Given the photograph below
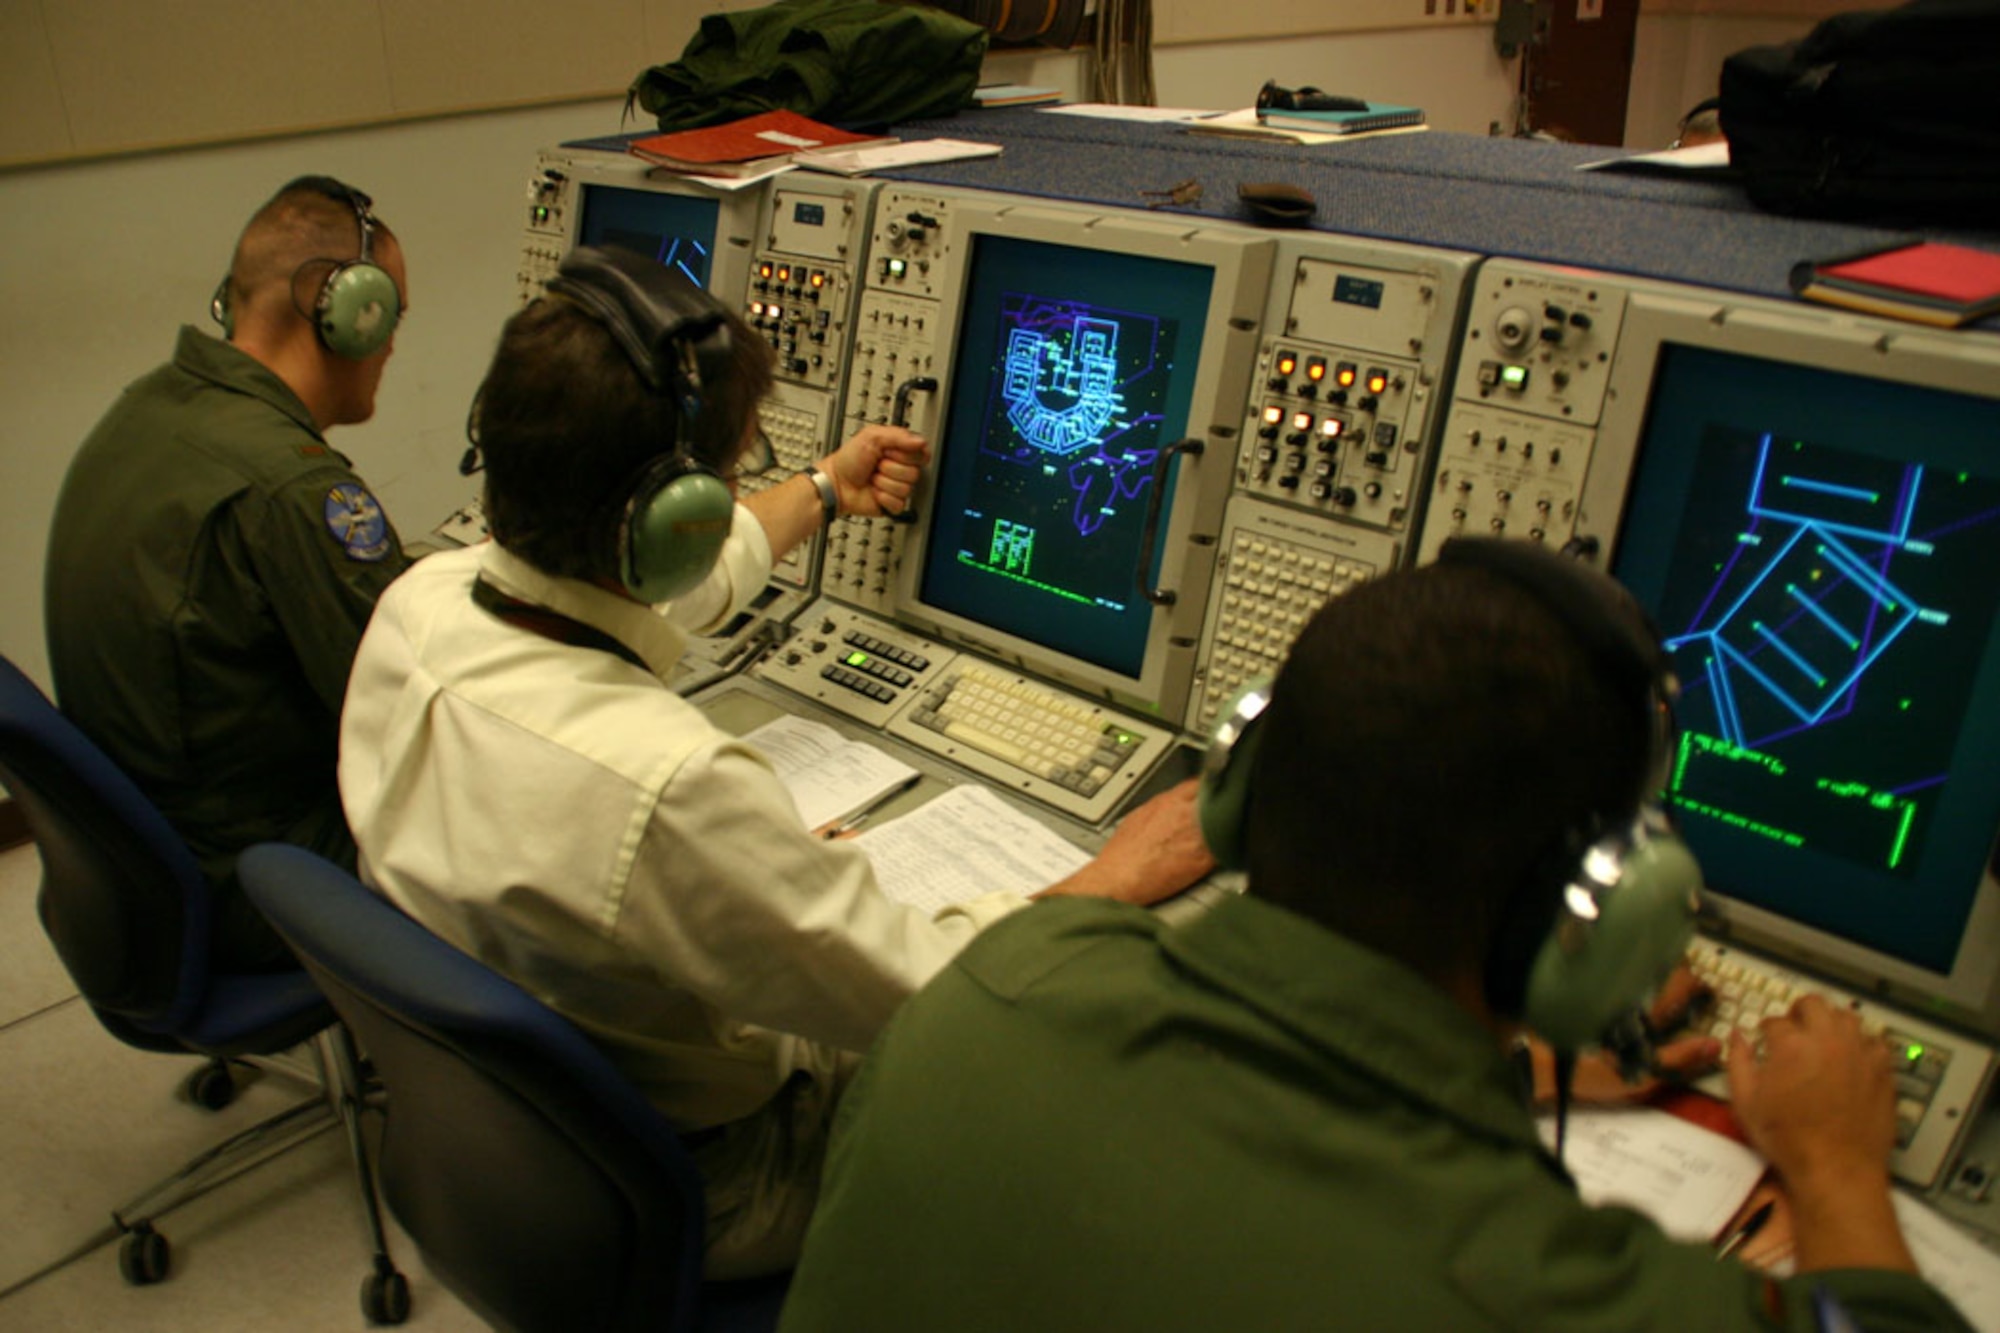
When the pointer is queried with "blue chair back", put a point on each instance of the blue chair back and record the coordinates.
(123, 900)
(540, 1186)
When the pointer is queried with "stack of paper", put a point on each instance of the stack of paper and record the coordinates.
(964, 844)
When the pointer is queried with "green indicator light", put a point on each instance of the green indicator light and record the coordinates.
(1904, 705)
(1514, 376)
(1913, 1052)
(856, 659)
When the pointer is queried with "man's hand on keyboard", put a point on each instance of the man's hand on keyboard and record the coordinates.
(1682, 1052)
(877, 469)
(1817, 1098)
(1818, 1091)
(1154, 853)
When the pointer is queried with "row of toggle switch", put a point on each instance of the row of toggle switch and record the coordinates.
(793, 280)
(1314, 378)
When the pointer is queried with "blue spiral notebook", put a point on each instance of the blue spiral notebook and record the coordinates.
(1378, 116)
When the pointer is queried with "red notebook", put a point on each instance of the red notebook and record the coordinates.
(1926, 281)
(745, 146)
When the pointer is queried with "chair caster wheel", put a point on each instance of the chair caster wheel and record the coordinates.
(212, 1086)
(385, 1297)
(145, 1256)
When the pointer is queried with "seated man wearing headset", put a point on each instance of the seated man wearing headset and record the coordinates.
(521, 780)
(212, 560)
(1299, 1111)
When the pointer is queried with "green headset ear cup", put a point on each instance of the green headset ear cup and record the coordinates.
(1222, 796)
(673, 529)
(357, 310)
(1588, 972)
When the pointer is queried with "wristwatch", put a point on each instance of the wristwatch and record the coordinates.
(829, 497)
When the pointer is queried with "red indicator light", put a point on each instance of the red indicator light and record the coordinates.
(1287, 363)
(1377, 381)
(1345, 375)
(1302, 421)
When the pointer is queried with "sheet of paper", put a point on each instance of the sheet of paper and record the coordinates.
(1954, 1262)
(1244, 124)
(731, 184)
(1699, 158)
(828, 775)
(962, 845)
(888, 157)
(1686, 1178)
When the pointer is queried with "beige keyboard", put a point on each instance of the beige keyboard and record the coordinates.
(1016, 732)
(1941, 1076)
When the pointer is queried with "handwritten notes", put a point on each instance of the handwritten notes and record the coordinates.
(966, 843)
(828, 775)
(1688, 1179)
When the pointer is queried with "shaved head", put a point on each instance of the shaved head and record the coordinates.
(293, 241)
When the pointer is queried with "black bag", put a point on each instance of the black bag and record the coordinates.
(855, 63)
(1885, 115)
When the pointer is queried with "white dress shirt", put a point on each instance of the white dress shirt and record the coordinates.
(562, 815)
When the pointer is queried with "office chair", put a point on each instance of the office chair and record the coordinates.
(541, 1187)
(128, 910)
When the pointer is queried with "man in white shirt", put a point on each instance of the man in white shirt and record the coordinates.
(520, 779)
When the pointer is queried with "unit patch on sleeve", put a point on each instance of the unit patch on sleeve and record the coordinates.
(355, 519)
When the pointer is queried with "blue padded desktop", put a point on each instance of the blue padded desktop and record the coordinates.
(1515, 198)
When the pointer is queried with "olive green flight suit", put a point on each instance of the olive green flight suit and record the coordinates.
(211, 566)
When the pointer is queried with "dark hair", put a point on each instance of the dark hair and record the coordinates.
(1431, 740)
(565, 425)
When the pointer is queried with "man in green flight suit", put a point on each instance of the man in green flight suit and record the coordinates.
(213, 560)
(1297, 1111)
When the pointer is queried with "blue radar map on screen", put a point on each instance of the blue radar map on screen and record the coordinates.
(676, 230)
(1075, 368)
(1820, 552)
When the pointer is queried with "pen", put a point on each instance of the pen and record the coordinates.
(854, 819)
(1752, 1224)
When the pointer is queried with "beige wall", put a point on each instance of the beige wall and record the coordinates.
(87, 77)
(1678, 61)
(92, 77)
(104, 257)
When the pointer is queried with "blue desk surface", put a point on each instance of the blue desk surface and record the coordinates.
(1516, 198)
(1506, 197)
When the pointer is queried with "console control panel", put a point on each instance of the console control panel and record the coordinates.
(1533, 383)
(856, 664)
(1339, 420)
